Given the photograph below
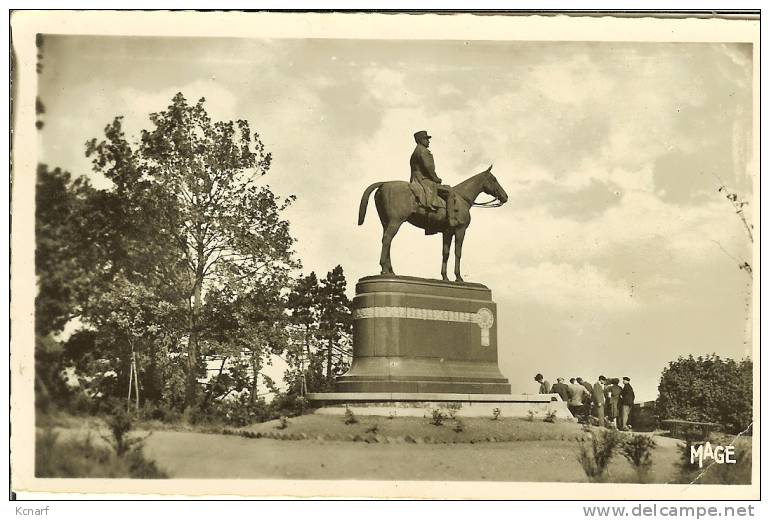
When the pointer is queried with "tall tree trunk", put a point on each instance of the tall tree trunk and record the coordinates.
(192, 344)
(256, 366)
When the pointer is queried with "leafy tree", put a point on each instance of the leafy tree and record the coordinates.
(190, 219)
(63, 252)
(62, 263)
(243, 326)
(707, 389)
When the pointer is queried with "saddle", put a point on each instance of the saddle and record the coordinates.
(446, 200)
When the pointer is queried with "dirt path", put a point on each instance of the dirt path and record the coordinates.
(198, 455)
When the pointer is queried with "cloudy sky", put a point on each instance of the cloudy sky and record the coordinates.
(614, 254)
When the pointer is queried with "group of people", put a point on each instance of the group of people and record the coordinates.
(607, 401)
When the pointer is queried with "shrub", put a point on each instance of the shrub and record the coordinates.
(637, 449)
(350, 417)
(374, 428)
(496, 414)
(283, 422)
(81, 458)
(550, 416)
(459, 426)
(437, 417)
(707, 389)
(595, 455)
(712, 472)
(120, 423)
(452, 409)
(530, 416)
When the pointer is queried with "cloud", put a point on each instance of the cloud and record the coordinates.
(566, 286)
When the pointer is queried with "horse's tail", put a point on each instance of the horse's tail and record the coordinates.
(365, 201)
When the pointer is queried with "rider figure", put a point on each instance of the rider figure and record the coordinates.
(424, 171)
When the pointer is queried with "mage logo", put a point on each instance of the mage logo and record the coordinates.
(719, 454)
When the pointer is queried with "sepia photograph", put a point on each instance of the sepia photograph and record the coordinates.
(405, 255)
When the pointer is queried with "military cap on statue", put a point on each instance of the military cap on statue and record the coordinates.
(421, 135)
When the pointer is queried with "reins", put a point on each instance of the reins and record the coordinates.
(494, 203)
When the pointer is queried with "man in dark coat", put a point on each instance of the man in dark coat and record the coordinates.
(598, 399)
(627, 403)
(561, 389)
(424, 171)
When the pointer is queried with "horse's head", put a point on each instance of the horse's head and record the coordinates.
(492, 187)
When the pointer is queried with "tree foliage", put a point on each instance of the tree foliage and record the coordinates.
(321, 328)
(707, 389)
(189, 192)
(183, 262)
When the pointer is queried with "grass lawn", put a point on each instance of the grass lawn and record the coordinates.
(419, 430)
(405, 448)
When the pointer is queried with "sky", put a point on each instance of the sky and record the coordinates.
(615, 253)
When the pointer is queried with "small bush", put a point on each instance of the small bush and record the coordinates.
(374, 428)
(391, 415)
(530, 416)
(459, 426)
(350, 417)
(550, 416)
(283, 423)
(437, 417)
(496, 414)
(452, 409)
(119, 422)
(637, 449)
(595, 455)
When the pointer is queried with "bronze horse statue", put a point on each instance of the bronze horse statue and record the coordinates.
(396, 203)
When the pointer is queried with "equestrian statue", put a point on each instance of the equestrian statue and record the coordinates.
(427, 204)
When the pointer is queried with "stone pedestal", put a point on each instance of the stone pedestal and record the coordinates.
(425, 336)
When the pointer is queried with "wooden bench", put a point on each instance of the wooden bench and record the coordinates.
(681, 429)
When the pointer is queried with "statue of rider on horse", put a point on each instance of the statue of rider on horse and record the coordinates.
(427, 204)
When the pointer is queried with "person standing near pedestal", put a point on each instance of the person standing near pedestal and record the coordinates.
(613, 401)
(598, 398)
(561, 389)
(577, 398)
(588, 395)
(545, 386)
(626, 403)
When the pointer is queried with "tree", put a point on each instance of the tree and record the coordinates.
(707, 389)
(336, 322)
(62, 257)
(304, 373)
(321, 325)
(206, 224)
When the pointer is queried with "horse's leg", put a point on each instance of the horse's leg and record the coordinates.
(459, 237)
(445, 253)
(388, 232)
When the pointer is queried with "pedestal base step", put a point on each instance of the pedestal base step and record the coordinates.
(422, 405)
